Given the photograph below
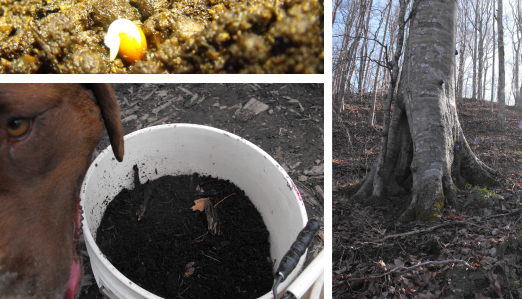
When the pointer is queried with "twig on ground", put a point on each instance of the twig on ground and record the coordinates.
(502, 215)
(183, 291)
(406, 269)
(419, 231)
(146, 196)
(212, 218)
(200, 237)
(441, 225)
(373, 228)
(224, 199)
(209, 256)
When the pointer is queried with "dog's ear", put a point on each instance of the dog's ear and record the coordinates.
(104, 94)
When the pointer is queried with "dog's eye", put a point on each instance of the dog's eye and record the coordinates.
(18, 128)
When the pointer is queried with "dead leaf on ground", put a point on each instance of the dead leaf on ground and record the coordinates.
(199, 204)
(189, 272)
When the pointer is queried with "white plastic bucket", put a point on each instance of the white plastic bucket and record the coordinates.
(184, 149)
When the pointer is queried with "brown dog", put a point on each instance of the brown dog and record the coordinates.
(48, 133)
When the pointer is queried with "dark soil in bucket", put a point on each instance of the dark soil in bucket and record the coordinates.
(169, 250)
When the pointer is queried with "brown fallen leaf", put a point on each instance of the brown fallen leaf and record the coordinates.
(199, 204)
(189, 272)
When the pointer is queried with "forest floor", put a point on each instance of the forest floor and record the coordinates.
(474, 251)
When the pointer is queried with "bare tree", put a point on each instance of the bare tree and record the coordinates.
(334, 11)
(462, 51)
(475, 50)
(423, 149)
(480, 55)
(501, 119)
(493, 73)
(364, 50)
(516, 37)
(372, 109)
(348, 57)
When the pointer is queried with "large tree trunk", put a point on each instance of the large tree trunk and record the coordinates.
(517, 17)
(501, 118)
(474, 83)
(423, 150)
(480, 53)
(364, 51)
(462, 55)
(518, 103)
(493, 74)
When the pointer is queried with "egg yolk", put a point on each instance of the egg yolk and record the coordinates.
(130, 49)
(126, 39)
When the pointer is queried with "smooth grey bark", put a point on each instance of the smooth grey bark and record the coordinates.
(480, 51)
(518, 30)
(423, 149)
(518, 99)
(486, 68)
(462, 55)
(378, 186)
(483, 23)
(516, 38)
(501, 118)
(518, 102)
(516, 84)
(368, 185)
(474, 83)
(493, 74)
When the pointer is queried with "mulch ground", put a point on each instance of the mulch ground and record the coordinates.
(156, 239)
(475, 250)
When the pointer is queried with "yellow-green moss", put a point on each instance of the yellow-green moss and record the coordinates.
(439, 201)
(426, 215)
